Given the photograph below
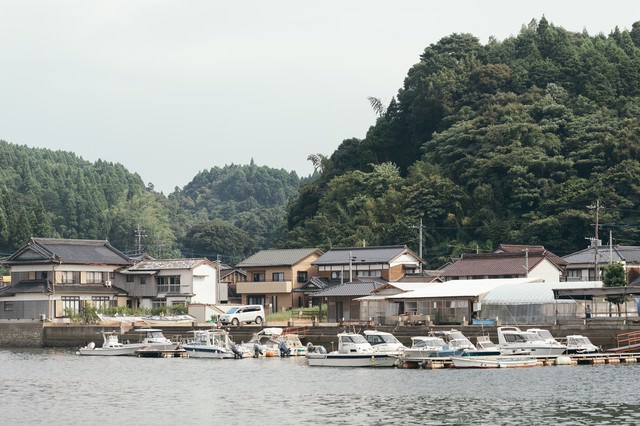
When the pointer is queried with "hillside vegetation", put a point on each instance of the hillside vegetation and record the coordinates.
(507, 142)
(512, 141)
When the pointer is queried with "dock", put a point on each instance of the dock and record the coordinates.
(600, 358)
(151, 352)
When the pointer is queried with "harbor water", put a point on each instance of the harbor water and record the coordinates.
(58, 387)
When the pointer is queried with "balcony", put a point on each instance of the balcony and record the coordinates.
(262, 287)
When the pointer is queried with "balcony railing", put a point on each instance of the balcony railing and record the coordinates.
(261, 287)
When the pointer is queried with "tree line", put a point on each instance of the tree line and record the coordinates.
(511, 141)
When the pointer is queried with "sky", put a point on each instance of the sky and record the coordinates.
(169, 88)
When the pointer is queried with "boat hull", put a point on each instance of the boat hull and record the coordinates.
(120, 351)
(493, 362)
(212, 353)
(351, 360)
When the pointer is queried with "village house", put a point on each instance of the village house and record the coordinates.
(580, 265)
(52, 278)
(273, 275)
(508, 261)
(349, 273)
(154, 283)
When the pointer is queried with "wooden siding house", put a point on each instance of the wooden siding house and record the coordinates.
(273, 275)
(51, 278)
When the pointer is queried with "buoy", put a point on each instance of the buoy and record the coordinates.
(563, 360)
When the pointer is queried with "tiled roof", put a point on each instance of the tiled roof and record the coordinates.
(340, 256)
(284, 257)
(163, 264)
(48, 250)
(493, 264)
(628, 254)
(355, 289)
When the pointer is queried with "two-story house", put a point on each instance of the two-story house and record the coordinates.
(508, 261)
(272, 275)
(52, 278)
(345, 274)
(165, 282)
(580, 265)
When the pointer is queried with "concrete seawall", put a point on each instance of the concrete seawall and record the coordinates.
(37, 334)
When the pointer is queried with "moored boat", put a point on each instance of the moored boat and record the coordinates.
(578, 344)
(214, 344)
(353, 351)
(497, 361)
(111, 346)
(513, 341)
(383, 342)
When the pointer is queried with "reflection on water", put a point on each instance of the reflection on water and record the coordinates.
(59, 387)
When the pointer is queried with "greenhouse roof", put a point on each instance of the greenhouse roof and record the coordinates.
(531, 293)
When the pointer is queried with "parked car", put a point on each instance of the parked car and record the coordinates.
(243, 314)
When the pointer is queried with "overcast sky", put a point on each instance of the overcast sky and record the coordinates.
(172, 87)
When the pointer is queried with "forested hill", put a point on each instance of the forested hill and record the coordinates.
(506, 142)
(46, 193)
(230, 211)
(233, 211)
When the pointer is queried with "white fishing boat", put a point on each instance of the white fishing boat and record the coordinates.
(578, 344)
(265, 343)
(495, 361)
(513, 341)
(111, 346)
(292, 344)
(423, 347)
(154, 343)
(353, 351)
(383, 342)
(214, 344)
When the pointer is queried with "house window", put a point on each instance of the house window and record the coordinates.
(159, 303)
(93, 277)
(8, 306)
(130, 278)
(143, 280)
(277, 276)
(302, 276)
(168, 284)
(336, 275)
(66, 277)
(369, 273)
(101, 303)
(70, 304)
(258, 276)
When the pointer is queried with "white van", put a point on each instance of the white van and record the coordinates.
(243, 314)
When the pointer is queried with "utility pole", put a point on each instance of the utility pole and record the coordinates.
(526, 261)
(419, 242)
(139, 236)
(596, 242)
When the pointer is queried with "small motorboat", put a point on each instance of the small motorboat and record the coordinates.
(111, 346)
(578, 344)
(353, 351)
(214, 344)
(383, 342)
(513, 341)
(494, 361)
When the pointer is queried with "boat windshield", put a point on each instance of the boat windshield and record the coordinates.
(578, 340)
(354, 338)
(545, 334)
(428, 343)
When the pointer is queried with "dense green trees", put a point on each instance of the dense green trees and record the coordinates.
(505, 142)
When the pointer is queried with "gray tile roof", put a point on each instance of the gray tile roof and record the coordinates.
(284, 257)
(629, 254)
(340, 256)
(355, 289)
(165, 264)
(53, 250)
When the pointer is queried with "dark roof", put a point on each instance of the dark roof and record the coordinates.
(167, 264)
(628, 254)
(315, 284)
(381, 254)
(284, 257)
(354, 289)
(45, 287)
(53, 250)
(27, 286)
(494, 264)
